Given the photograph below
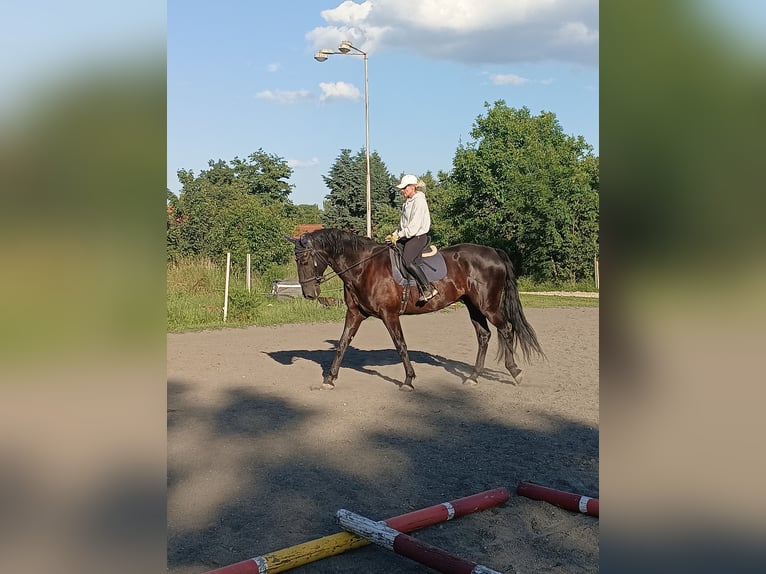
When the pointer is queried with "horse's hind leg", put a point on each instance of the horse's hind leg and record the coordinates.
(505, 334)
(505, 344)
(483, 335)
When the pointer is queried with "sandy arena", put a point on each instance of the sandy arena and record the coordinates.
(257, 461)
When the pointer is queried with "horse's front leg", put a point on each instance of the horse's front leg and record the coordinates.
(353, 319)
(391, 321)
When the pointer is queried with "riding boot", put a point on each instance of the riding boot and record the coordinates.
(427, 290)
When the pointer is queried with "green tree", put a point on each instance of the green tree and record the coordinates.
(382, 191)
(264, 174)
(306, 213)
(345, 206)
(526, 186)
(252, 225)
(174, 237)
(386, 221)
(241, 207)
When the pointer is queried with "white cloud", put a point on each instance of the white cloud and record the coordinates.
(299, 163)
(462, 15)
(350, 22)
(272, 67)
(348, 13)
(490, 31)
(367, 38)
(577, 33)
(508, 79)
(285, 97)
(339, 91)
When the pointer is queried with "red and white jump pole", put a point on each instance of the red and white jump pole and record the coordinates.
(307, 552)
(565, 500)
(405, 545)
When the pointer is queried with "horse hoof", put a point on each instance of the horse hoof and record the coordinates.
(471, 382)
(328, 386)
(406, 388)
(516, 375)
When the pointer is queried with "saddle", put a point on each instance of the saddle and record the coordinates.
(430, 261)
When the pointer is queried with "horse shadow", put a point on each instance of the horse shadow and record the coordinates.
(364, 361)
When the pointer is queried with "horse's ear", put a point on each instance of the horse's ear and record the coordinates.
(291, 239)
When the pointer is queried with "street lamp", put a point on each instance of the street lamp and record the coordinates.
(347, 49)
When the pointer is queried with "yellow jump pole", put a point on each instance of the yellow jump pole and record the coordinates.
(294, 556)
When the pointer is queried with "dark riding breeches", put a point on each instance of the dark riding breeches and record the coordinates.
(413, 247)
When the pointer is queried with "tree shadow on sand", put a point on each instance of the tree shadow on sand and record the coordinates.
(283, 482)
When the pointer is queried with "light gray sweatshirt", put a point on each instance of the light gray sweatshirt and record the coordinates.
(415, 218)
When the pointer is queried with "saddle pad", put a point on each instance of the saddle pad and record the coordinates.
(434, 268)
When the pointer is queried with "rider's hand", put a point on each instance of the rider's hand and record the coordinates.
(392, 238)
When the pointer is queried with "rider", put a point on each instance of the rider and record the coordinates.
(414, 225)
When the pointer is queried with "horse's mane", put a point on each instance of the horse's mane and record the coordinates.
(337, 241)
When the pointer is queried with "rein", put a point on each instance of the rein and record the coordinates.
(325, 278)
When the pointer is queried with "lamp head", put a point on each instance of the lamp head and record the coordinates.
(345, 46)
(322, 54)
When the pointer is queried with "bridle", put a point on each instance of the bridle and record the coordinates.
(299, 253)
(319, 279)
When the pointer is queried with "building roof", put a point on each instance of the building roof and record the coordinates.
(302, 228)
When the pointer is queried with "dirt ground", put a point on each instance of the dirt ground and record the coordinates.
(257, 461)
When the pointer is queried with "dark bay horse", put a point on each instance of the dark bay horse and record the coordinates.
(480, 277)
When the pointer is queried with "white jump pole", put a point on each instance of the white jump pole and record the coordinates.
(400, 543)
(248, 273)
(595, 270)
(226, 291)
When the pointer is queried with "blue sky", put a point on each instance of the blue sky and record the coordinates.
(430, 70)
(241, 76)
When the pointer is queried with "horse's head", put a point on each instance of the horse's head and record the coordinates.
(311, 266)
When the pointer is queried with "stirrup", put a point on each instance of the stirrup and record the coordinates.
(430, 294)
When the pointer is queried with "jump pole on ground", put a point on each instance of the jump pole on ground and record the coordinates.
(565, 500)
(405, 545)
(294, 556)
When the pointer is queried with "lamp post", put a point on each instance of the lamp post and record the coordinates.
(347, 49)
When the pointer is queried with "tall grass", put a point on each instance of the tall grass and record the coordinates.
(196, 287)
(526, 284)
(195, 298)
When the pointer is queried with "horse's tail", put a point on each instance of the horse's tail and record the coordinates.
(522, 333)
